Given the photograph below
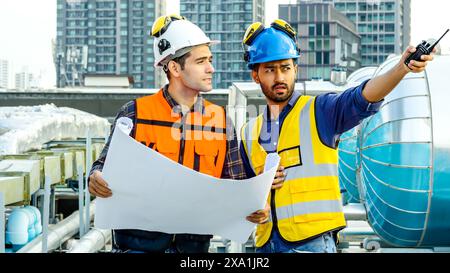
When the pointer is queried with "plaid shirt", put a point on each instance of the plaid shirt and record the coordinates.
(233, 167)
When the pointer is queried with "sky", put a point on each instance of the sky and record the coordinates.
(27, 28)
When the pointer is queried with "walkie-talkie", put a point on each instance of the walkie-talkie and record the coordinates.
(424, 48)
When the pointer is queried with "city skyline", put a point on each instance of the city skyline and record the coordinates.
(29, 41)
(108, 37)
(222, 21)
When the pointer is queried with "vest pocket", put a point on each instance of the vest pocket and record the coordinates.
(205, 156)
(312, 199)
(311, 184)
(290, 157)
(168, 147)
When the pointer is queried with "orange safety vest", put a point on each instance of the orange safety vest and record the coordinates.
(197, 140)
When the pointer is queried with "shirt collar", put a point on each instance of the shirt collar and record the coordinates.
(176, 108)
(292, 101)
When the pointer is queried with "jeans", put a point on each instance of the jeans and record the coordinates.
(180, 243)
(322, 244)
(140, 241)
(188, 246)
(116, 250)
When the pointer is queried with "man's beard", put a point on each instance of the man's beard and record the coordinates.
(271, 93)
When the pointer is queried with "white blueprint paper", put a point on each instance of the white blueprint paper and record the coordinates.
(152, 192)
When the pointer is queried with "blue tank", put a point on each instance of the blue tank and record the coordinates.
(348, 166)
(405, 159)
(349, 159)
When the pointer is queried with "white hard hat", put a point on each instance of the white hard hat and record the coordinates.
(174, 36)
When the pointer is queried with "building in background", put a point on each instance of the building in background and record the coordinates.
(225, 21)
(24, 80)
(106, 37)
(384, 26)
(4, 74)
(327, 38)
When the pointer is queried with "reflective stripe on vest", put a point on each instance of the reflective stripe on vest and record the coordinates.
(308, 208)
(309, 202)
(195, 140)
(248, 131)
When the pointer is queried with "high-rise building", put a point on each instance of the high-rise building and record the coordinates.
(4, 74)
(24, 80)
(327, 38)
(107, 37)
(225, 21)
(384, 26)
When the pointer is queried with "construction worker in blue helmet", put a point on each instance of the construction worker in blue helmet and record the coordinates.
(304, 208)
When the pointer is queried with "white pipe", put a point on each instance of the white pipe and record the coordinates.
(92, 242)
(355, 212)
(58, 233)
(355, 234)
(356, 231)
(46, 214)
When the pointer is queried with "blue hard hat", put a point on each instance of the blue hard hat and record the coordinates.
(270, 45)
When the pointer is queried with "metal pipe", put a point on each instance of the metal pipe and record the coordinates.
(46, 214)
(87, 199)
(80, 200)
(92, 242)
(67, 195)
(355, 235)
(356, 231)
(60, 193)
(355, 212)
(52, 210)
(2, 224)
(58, 233)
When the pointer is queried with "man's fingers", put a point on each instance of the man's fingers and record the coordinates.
(94, 192)
(279, 178)
(418, 64)
(98, 191)
(277, 183)
(416, 69)
(259, 213)
(99, 179)
(427, 57)
(257, 220)
(280, 174)
(260, 216)
(104, 191)
(410, 50)
(98, 186)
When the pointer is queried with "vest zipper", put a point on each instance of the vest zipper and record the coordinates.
(181, 156)
(274, 212)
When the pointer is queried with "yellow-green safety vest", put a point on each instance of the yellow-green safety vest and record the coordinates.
(309, 203)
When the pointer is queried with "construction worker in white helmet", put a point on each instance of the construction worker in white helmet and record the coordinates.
(306, 211)
(178, 123)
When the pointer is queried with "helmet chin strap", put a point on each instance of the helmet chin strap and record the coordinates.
(165, 68)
